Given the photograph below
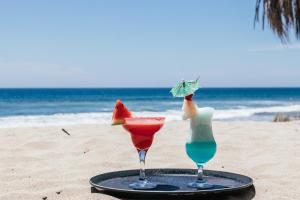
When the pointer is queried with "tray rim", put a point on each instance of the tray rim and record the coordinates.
(118, 190)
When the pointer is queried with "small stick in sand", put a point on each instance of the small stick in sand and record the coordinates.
(58, 192)
(66, 132)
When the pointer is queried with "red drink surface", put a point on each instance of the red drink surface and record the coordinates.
(142, 130)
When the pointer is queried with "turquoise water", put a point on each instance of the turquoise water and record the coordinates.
(230, 103)
(201, 151)
(42, 106)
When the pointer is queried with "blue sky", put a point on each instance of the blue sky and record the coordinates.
(133, 43)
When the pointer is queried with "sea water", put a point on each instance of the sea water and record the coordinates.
(45, 106)
(201, 151)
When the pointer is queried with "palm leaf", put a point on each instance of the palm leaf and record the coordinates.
(282, 15)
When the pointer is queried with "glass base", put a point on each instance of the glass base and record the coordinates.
(142, 185)
(201, 185)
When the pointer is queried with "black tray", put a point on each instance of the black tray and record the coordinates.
(172, 183)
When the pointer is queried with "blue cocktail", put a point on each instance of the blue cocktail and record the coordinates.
(201, 151)
(200, 146)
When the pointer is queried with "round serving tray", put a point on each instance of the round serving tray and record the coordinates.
(170, 183)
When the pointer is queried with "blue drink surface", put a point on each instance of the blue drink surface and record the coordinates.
(201, 151)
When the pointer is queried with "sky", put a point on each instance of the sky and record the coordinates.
(134, 43)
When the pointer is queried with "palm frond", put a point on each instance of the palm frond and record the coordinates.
(282, 15)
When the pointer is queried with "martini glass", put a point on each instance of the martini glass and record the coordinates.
(142, 130)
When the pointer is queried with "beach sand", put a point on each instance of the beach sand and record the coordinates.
(45, 162)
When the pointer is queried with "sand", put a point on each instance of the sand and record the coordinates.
(45, 162)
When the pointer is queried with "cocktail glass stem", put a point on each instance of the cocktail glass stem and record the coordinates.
(200, 173)
(143, 183)
(142, 157)
(200, 183)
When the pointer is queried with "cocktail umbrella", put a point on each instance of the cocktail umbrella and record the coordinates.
(185, 88)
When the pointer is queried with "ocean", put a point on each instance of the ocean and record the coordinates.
(42, 107)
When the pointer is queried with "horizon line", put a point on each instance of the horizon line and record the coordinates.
(243, 87)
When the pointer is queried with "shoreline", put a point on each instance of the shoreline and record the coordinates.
(108, 123)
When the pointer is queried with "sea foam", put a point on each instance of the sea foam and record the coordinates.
(105, 117)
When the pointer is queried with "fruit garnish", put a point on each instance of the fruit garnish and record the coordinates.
(120, 113)
(189, 97)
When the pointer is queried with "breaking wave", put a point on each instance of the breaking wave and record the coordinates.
(105, 117)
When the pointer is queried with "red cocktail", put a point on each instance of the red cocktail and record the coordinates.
(142, 130)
